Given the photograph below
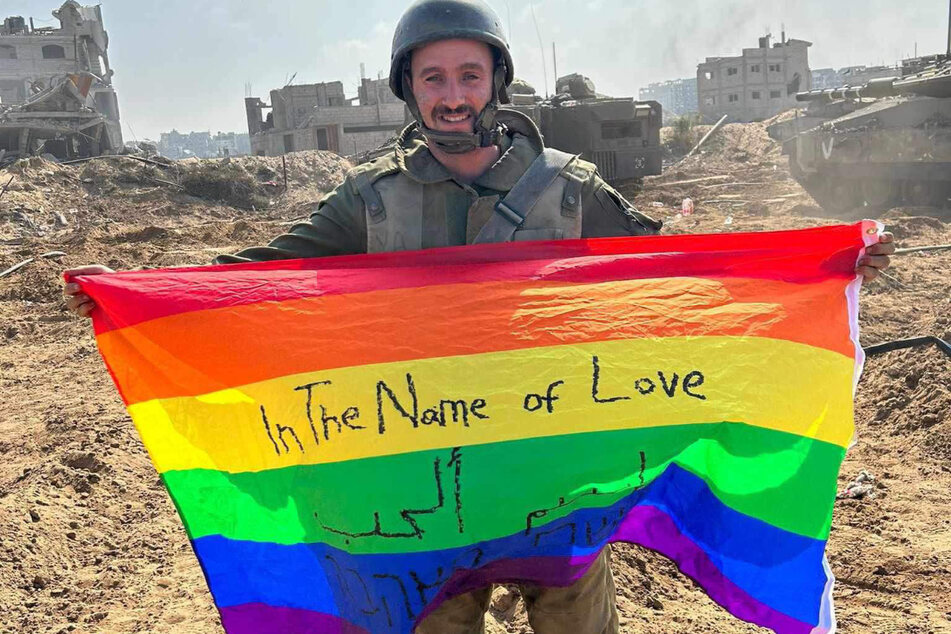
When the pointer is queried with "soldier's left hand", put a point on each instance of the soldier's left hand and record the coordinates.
(876, 257)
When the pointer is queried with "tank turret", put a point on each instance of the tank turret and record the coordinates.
(886, 142)
(933, 80)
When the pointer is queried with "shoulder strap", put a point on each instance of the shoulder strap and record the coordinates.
(511, 211)
(363, 177)
(372, 200)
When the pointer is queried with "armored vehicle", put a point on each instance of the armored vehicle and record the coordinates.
(619, 135)
(884, 143)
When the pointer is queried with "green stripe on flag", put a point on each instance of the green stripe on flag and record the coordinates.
(423, 500)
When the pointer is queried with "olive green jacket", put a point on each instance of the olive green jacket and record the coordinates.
(338, 226)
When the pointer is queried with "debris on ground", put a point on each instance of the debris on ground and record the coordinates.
(862, 486)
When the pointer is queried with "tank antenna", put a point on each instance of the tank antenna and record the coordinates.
(541, 47)
(949, 29)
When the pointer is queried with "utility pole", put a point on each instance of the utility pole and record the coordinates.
(554, 63)
(949, 28)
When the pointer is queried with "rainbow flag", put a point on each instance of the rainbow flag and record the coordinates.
(350, 441)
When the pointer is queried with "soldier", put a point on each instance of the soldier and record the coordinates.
(467, 171)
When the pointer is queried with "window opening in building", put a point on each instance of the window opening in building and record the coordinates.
(53, 51)
(620, 129)
(774, 68)
(756, 94)
(755, 68)
(731, 71)
(322, 143)
(709, 101)
(7, 51)
(734, 98)
(708, 74)
(775, 94)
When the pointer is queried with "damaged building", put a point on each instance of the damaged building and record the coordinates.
(321, 117)
(56, 93)
(178, 145)
(756, 85)
(678, 97)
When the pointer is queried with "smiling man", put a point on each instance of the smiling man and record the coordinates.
(468, 171)
(451, 179)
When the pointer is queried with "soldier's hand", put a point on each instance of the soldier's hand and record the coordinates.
(876, 257)
(77, 301)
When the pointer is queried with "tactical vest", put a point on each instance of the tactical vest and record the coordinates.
(545, 204)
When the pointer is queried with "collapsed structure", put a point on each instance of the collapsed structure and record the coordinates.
(321, 117)
(178, 145)
(56, 93)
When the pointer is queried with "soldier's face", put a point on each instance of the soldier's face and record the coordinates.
(452, 83)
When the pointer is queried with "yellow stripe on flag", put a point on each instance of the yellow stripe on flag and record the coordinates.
(497, 397)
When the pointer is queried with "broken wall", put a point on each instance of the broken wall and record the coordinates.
(292, 105)
(37, 61)
(345, 130)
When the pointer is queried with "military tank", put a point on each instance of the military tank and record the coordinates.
(873, 146)
(619, 135)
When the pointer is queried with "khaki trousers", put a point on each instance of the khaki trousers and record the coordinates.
(585, 607)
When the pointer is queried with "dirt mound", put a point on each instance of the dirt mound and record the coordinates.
(90, 542)
(247, 182)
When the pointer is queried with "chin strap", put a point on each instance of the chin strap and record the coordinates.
(487, 131)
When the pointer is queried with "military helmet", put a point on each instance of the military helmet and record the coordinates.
(432, 20)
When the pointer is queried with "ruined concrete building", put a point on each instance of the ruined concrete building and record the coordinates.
(756, 85)
(178, 145)
(678, 97)
(321, 117)
(56, 94)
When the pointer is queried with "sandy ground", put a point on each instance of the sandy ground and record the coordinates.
(89, 541)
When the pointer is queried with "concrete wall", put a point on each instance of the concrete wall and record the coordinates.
(347, 130)
(83, 42)
(292, 105)
(373, 91)
(16, 75)
(755, 85)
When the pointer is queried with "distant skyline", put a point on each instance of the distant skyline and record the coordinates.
(184, 64)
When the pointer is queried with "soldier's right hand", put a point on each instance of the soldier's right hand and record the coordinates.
(77, 301)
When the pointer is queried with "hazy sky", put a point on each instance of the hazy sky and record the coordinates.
(184, 63)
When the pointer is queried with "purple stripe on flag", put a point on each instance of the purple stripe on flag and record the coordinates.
(258, 618)
(652, 528)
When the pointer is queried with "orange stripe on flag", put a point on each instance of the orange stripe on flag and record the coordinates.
(185, 354)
